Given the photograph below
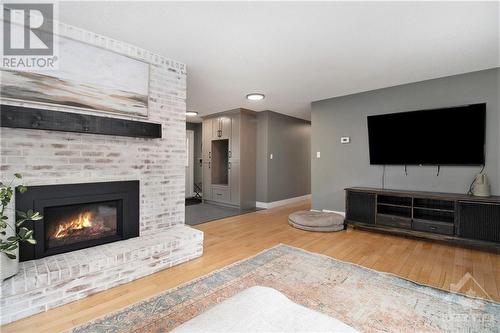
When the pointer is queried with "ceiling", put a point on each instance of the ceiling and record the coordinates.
(298, 52)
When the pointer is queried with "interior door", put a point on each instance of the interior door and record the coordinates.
(189, 163)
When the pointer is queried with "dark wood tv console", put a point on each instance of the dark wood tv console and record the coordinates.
(457, 218)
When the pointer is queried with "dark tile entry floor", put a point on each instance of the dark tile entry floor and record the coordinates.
(201, 213)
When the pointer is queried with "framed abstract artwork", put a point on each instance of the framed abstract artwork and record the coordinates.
(89, 78)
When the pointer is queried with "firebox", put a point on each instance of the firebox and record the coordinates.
(77, 216)
(65, 225)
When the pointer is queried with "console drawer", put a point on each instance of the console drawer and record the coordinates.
(434, 227)
(220, 194)
(394, 221)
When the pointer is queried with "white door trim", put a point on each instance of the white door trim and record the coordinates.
(189, 163)
(273, 204)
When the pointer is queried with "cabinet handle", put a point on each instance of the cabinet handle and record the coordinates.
(209, 165)
(230, 154)
(209, 154)
(219, 133)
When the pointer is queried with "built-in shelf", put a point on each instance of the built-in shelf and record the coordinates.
(434, 222)
(431, 203)
(424, 209)
(392, 205)
(394, 210)
(435, 209)
(220, 162)
(438, 216)
(394, 200)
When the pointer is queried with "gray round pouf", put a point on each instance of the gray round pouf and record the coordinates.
(316, 221)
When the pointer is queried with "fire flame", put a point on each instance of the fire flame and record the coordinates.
(82, 221)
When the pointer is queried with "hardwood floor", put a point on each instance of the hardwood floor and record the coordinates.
(236, 238)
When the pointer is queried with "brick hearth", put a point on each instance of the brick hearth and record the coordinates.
(56, 280)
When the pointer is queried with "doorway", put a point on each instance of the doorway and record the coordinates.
(189, 163)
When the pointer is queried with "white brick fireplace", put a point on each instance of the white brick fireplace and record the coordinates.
(48, 157)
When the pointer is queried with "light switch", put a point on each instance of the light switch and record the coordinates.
(345, 139)
(270, 156)
(318, 154)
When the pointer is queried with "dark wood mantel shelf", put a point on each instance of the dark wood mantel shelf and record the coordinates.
(40, 119)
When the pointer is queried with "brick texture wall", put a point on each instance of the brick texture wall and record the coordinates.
(47, 157)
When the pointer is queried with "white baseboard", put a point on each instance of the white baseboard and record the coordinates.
(334, 211)
(273, 204)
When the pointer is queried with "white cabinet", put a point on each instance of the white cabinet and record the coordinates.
(206, 139)
(221, 194)
(229, 158)
(221, 127)
(207, 180)
(234, 141)
(225, 127)
(234, 182)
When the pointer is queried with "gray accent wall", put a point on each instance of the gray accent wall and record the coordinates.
(262, 156)
(346, 165)
(287, 175)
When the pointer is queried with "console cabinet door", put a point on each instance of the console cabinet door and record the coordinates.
(479, 221)
(360, 207)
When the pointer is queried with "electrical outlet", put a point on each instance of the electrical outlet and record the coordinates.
(318, 154)
(345, 139)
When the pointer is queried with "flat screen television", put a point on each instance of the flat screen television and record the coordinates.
(448, 136)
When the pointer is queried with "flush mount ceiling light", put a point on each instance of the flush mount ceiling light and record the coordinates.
(191, 113)
(255, 97)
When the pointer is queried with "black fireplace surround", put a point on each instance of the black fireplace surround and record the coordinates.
(77, 216)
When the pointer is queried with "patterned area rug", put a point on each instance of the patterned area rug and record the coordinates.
(365, 299)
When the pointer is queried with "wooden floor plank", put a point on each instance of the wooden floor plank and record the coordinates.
(236, 238)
